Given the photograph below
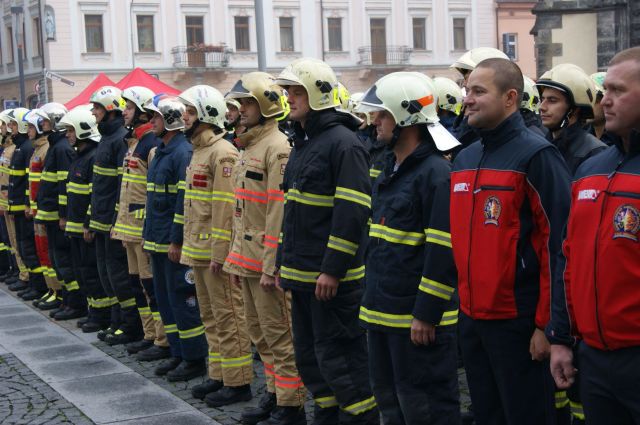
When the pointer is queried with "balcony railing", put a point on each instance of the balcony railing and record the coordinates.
(207, 56)
(384, 55)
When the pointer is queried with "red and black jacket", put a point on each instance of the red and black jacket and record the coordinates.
(509, 203)
(596, 298)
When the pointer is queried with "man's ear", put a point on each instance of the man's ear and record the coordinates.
(511, 98)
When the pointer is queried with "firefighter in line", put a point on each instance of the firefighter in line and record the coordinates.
(320, 259)
(208, 207)
(450, 98)
(530, 107)
(8, 267)
(257, 221)
(141, 143)
(174, 283)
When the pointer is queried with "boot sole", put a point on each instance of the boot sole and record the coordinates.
(228, 402)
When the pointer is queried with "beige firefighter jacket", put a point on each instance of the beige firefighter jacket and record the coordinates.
(5, 160)
(259, 201)
(208, 200)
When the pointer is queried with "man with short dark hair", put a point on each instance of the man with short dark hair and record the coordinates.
(509, 201)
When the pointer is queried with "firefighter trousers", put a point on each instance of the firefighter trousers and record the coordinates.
(6, 261)
(60, 256)
(25, 242)
(176, 296)
(609, 385)
(11, 230)
(331, 356)
(268, 316)
(140, 274)
(222, 314)
(415, 385)
(85, 272)
(112, 269)
(506, 385)
(42, 250)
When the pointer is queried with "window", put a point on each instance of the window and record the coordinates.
(509, 45)
(10, 44)
(459, 34)
(37, 37)
(242, 33)
(334, 26)
(195, 30)
(420, 33)
(286, 34)
(146, 41)
(93, 33)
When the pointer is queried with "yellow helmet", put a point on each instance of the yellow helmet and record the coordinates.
(575, 83)
(18, 115)
(317, 78)
(469, 60)
(354, 102)
(449, 94)
(343, 96)
(531, 96)
(261, 87)
(109, 97)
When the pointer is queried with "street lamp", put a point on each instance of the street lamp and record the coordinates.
(17, 28)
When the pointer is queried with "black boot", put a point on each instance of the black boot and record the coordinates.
(120, 337)
(167, 366)
(187, 370)
(43, 298)
(103, 334)
(152, 353)
(53, 301)
(136, 347)
(55, 311)
(286, 415)
(69, 313)
(91, 327)
(32, 295)
(200, 391)
(253, 415)
(83, 320)
(228, 395)
(18, 285)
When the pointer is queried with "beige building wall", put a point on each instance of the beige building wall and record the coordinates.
(579, 40)
(516, 18)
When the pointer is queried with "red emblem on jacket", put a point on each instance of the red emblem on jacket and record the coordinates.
(492, 210)
(626, 222)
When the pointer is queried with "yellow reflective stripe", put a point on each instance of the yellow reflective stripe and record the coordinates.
(102, 171)
(134, 178)
(436, 289)
(222, 234)
(170, 329)
(156, 247)
(80, 189)
(156, 316)
(120, 170)
(222, 196)
(373, 173)
(105, 227)
(198, 195)
(62, 199)
(105, 302)
(342, 245)
(449, 318)
(50, 176)
(326, 402)
(196, 253)
(178, 218)
(401, 321)
(4, 203)
(62, 175)
(17, 207)
(214, 357)
(74, 227)
(353, 196)
(14, 172)
(191, 333)
(561, 399)
(168, 188)
(144, 311)
(438, 237)
(131, 302)
(182, 185)
(128, 230)
(309, 198)
(47, 215)
(361, 406)
(229, 362)
(577, 411)
(73, 286)
(140, 213)
(390, 234)
(311, 277)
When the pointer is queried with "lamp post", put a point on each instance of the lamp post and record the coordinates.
(17, 12)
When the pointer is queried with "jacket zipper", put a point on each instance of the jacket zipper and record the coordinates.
(496, 188)
(473, 207)
(631, 195)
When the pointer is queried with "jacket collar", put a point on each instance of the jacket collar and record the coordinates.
(422, 151)
(178, 139)
(319, 121)
(107, 128)
(206, 138)
(141, 130)
(503, 133)
(257, 133)
(55, 136)
(634, 143)
(566, 138)
(19, 139)
(40, 141)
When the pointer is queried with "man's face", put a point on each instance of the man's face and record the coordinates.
(32, 133)
(190, 117)
(98, 111)
(553, 107)
(157, 124)
(598, 113)
(249, 112)
(13, 126)
(384, 122)
(621, 101)
(232, 113)
(129, 113)
(485, 105)
(71, 135)
(3, 128)
(298, 102)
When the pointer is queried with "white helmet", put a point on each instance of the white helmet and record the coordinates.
(138, 95)
(208, 102)
(83, 122)
(4, 117)
(410, 98)
(171, 109)
(530, 96)
(36, 117)
(352, 107)
(449, 94)
(109, 97)
(469, 60)
(53, 111)
(317, 78)
(17, 115)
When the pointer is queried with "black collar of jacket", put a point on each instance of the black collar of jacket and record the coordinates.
(19, 139)
(566, 137)
(423, 150)
(319, 121)
(107, 128)
(55, 137)
(634, 143)
(503, 133)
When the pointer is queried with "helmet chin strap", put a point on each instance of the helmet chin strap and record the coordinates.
(193, 128)
(565, 120)
(395, 136)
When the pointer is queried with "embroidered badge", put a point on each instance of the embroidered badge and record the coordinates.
(492, 210)
(282, 156)
(626, 222)
(226, 171)
(230, 159)
(190, 277)
(191, 301)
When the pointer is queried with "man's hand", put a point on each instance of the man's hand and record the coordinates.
(174, 253)
(235, 280)
(326, 287)
(422, 333)
(539, 346)
(215, 267)
(268, 283)
(562, 368)
(62, 223)
(28, 213)
(88, 235)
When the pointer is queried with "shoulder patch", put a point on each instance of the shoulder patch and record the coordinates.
(227, 159)
(283, 155)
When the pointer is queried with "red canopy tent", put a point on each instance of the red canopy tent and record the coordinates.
(85, 95)
(139, 77)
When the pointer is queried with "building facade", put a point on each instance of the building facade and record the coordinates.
(515, 22)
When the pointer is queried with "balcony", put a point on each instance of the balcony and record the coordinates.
(384, 56)
(201, 56)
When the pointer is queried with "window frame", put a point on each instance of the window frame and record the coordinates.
(88, 25)
(424, 46)
(140, 25)
(338, 34)
(291, 28)
(453, 33)
(245, 37)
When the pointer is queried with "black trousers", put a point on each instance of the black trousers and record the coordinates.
(331, 356)
(85, 272)
(25, 239)
(60, 256)
(113, 270)
(415, 385)
(610, 385)
(507, 387)
(5, 248)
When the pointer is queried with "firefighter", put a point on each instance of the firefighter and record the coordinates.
(529, 107)
(107, 107)
(450, 98)
(141, 143)
(327, 187)
(596, 125)
(81, 130)
(409, 307)
(174, 283)
(233, 120)
(8, 269)
(259, 203)
(509, 200)
(18, 201)
(367, 134)
(594, 330)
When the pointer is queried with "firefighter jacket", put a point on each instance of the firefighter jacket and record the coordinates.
(5, 160)
(36, 166)
(80, 176)
(509, 203)
(410, 268)
(328, 202)
(107, 167)
(133, 188)
(208, 200)
(596, 298)
(51, 198)
(576, 145)
(165, 195)
(18, 174)
(378, 152)
(259, 201)
(533, 122)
